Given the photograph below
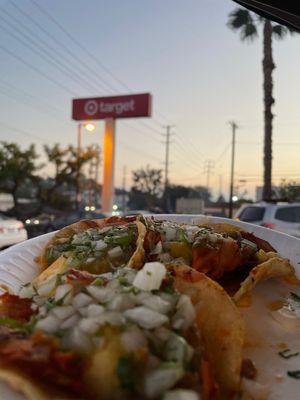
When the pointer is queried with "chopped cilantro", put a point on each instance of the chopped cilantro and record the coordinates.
(126, 373)
(286, 353)
(294, 374)
(98, 282)
(123, 280)
(295, 296)
(12, 323)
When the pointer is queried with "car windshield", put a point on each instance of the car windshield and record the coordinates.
(251, 214)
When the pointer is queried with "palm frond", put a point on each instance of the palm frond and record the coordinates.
(280, 31)
(240, 19)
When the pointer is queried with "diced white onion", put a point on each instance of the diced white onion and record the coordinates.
(185, 314)
(70, 322)
(162, 379)
(115, 252)
(47, 287)
(50, 324)
(177, 349)
(111, 317)
(90, 260)
(181, 394)
(81, 300)
(120, 302)
(63, 312)
(133, 339)
(100, 245)
(62, 291)
(170, 231)
(150, 276)
(94, 310)
(89, 325)
(157, 249)
(26, 291)
(154, 302)
(145, 317)
(101, 294)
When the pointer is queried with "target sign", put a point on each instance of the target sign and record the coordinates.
(128, 106)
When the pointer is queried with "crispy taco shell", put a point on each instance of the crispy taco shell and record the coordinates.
(220, 323)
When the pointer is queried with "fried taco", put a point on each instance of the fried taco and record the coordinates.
(224, 252)
(155, 333)
(97, 245)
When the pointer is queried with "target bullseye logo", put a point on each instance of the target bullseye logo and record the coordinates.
(91, 107)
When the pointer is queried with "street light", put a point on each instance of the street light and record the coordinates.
(90, 127)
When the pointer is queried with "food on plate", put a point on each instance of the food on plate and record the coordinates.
(274, 267)
(223, 251)
(97, 245)
(139, 308)
(128, 334)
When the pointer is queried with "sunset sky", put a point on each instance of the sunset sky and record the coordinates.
(200, 75)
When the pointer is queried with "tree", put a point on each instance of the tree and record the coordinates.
(247, 23)
(67, 165)
(147, 188)
(16, 167)
(289, 191)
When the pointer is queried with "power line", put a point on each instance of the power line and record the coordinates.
(83, 48)
(34, 68)
(40, 100)
(42, 52)
(209, 166)
(76, 42)
(185, 161)
(79, 61)
(12, 96)
(22, 132)
(185, 153)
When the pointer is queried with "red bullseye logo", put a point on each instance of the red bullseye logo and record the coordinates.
(91, 107)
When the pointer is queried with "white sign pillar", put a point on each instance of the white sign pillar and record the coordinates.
(108, 165)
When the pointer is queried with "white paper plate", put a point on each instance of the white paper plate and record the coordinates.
(17, 266)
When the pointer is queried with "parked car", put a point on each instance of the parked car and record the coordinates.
(284, 217)
(45, 223)
(12, 231)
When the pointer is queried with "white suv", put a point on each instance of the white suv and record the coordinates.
(284, 217)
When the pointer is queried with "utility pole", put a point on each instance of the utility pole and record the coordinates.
(124, 189)
(220, 185)
(209, 165)
(234, 126)
(167, 143)
(97, 168)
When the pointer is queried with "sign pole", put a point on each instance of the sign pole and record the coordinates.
(109, 164)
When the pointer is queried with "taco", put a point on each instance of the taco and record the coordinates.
(97, 245)
(148, 334)
(224, 252)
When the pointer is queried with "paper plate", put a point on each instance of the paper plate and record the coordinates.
(265, 334)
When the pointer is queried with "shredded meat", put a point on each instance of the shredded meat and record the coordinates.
(15, 307)
(248, 369)
(79, 277)
(38, 356)
(260, 243)
(214, 260)
(151, 239)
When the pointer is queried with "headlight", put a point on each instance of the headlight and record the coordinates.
(28, 221)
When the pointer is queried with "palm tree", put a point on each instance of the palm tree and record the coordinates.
(247, 23)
